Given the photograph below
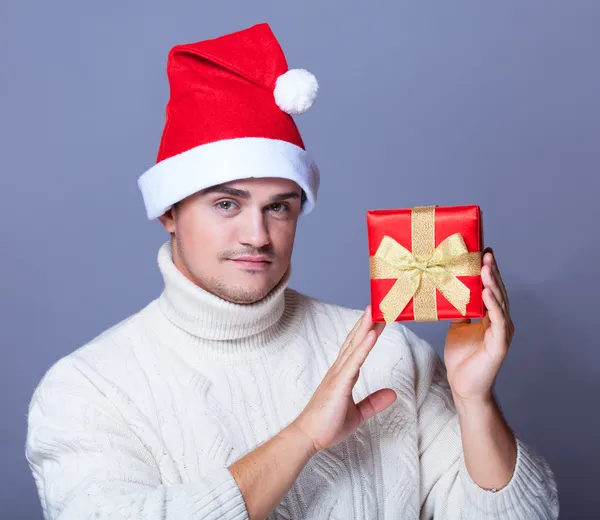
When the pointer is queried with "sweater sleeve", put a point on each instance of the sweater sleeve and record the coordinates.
(446, 487)
(87, 462)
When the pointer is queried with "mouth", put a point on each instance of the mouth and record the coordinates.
(254, 263)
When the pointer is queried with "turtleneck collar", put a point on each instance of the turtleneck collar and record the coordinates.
(230, 328)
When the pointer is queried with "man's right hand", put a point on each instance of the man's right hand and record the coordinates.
(332, 415)
(265, 474)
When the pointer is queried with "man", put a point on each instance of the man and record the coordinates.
(233, 396)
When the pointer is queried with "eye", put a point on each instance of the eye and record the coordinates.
(225, 205)
(279, 207)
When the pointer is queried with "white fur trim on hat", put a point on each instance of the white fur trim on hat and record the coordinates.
(295, 91)
(177, 177)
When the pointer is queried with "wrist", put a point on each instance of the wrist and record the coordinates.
(475, 403)
(301, 441)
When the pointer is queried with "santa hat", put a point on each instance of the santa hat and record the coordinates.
(229, 118)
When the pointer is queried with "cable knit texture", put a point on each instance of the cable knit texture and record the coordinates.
(144, 421)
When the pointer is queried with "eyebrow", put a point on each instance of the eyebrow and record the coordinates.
(244, 194)
(284, 196)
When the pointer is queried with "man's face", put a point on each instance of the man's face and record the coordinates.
(235, 240)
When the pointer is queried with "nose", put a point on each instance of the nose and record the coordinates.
(253, 229)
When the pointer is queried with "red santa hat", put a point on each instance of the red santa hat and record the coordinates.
(229, 117)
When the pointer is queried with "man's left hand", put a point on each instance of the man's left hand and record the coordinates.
(474, 351)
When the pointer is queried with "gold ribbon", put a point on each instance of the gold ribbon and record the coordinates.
(419, 273)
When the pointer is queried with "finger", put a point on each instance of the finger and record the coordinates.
(489, 281)
(376, 402)
(361, 333)
(500, 294)
(491, 260)
(354, 361)
(500, 283)
(359, 325)
(348, 342)
(498, 322)
(506, 310)
(345, 371)
(377, 328)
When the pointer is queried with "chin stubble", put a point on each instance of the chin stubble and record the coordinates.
(237, 293)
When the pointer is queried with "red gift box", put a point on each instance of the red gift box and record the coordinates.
(425, 263)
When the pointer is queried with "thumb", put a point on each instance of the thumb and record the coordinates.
(376, 402)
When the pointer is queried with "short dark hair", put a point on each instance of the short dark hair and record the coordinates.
(303, 199)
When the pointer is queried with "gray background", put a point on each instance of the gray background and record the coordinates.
(493, 103)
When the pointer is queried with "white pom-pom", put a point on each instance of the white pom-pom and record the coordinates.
(295, 91)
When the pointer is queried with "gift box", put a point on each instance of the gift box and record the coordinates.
(425, 263)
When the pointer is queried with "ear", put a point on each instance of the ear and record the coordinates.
(167, 219)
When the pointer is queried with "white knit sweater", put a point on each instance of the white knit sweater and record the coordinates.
(143, 421)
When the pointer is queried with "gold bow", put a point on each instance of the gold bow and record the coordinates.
(420, 272)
